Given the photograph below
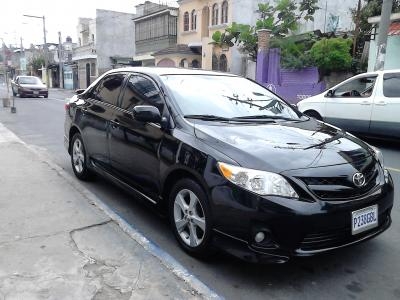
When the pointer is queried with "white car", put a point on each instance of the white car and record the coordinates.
(368, 104)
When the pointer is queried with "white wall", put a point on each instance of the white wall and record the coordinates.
(115, 37)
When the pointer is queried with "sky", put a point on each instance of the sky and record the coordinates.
(59, 16)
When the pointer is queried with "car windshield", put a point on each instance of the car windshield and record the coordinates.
(226, 97)
(29, 80)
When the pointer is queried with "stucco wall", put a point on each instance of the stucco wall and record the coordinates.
(115, 37)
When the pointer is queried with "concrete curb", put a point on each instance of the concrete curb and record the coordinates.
(167, 260)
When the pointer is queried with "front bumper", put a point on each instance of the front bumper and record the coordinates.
(34, 93)
(292, 227)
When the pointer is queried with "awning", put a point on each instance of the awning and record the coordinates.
(143, 57)
(394, 28)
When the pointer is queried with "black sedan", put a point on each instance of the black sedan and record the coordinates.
(232, 165)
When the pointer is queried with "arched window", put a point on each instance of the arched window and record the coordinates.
(224, 12)
(223, 63)
(194, 20)
(214, 14)
(186, 21)
(195, 64)
(214, 63)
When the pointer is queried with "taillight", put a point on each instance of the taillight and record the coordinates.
(66, 106)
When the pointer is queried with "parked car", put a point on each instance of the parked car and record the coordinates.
(232, 165)
(368, 104)
(29, 86)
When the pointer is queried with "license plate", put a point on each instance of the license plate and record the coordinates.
(364, 219)
(36, 93)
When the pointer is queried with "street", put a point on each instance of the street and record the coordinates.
(366, 271)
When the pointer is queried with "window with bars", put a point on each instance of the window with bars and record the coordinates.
(194, 20)
(186, 21)
(215, 14)
(224, 12)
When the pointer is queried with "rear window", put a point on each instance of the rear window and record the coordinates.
(391, 85)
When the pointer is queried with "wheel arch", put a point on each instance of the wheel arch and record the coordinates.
(172, 177)
(72, 131)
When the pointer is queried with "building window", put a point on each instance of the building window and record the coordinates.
(223, 63)
(93, 69)
(194, 20)
(186, 21)
(224, 12)
(215, 14)
(195, 64)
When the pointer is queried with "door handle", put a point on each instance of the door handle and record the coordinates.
(365, 102)
(115, 123)
(381, 103)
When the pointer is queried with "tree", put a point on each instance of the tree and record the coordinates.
(36, 62)
(280, 18)
(332, 54)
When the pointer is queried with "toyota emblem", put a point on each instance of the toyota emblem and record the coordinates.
(358, 179)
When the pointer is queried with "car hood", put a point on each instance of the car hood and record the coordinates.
(283, 146)
(33, 86)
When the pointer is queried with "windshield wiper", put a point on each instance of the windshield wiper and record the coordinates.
(265, 117)
(207, 117)
(333, 138)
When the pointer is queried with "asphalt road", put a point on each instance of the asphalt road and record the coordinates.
(367, 271)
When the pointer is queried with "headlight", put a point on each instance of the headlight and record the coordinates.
(378, 155)
(259, 182)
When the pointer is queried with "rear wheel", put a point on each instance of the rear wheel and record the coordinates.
(190, 218)
(78, 158)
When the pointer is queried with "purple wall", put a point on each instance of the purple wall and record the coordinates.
(291, 85)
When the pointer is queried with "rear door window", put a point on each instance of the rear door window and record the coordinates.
(391, 85)
(109, 88)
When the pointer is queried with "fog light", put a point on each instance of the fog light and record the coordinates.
(259, 237)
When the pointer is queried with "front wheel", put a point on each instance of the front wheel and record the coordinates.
(190, 218)
(78, 158)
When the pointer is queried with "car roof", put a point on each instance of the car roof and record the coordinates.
(380, 72)
(159, 71)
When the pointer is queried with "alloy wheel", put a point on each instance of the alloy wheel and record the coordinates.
(78, 156)
(189, 218)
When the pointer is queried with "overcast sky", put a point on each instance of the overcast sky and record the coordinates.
(59, 15)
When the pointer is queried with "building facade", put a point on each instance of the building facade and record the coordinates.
(105, 42)
(155, 29)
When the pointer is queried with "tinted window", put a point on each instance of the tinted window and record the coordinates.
(359, 87)
(391, 85)
(225, 96)
(141, 91)
(109, 88)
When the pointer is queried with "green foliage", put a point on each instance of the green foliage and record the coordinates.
(36, 62)
(294, 55)
(279, 18)
(332, 54)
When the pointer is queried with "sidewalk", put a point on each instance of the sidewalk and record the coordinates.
(58, 241)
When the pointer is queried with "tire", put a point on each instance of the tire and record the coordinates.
(79, 158)
(190, 218)
(313, 114)
(21, 95)
(46, 96)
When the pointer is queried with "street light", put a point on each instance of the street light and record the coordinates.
(44, 46)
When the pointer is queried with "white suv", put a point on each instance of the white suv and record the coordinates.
(368, 103)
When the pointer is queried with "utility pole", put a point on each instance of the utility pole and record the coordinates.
(60, 61)
(383, 34)
(46, 54)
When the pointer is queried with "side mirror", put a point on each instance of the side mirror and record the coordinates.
(79, 91)
(329, 93)
(146, 113)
